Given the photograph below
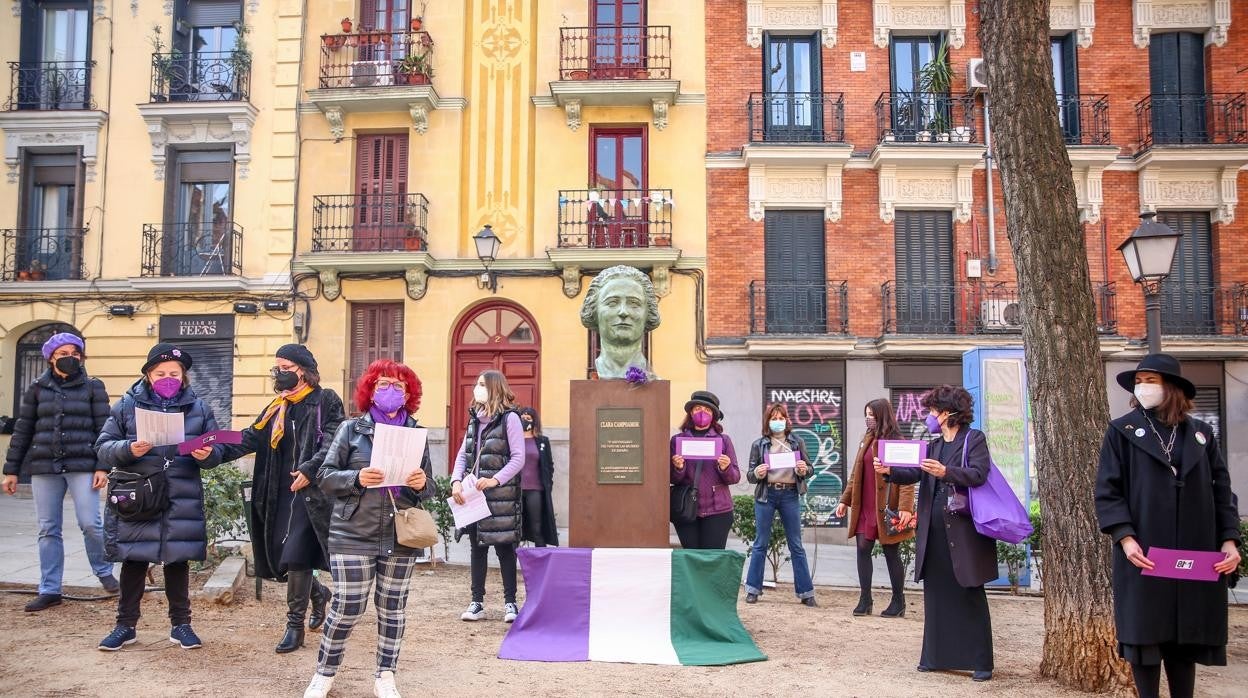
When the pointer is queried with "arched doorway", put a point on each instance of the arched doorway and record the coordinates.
(497, 335)
(28, 361)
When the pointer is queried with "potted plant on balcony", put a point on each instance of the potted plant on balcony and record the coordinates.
(333, 42)
(935, 79)
(578, 74)
(417, 23)
(165, 65)
(346, 25)
(240, 57)
(415, 241)
(38, 270)
(415, 69)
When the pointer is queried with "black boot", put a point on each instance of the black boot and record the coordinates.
(864, 604)
(298, 587)
(320, 598)
(896, 607)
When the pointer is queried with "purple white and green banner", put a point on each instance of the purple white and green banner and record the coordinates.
(630, 605)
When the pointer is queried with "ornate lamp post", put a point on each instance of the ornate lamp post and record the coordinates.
(1149, 254)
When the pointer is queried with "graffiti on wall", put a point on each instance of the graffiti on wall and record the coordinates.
(907, 403)
(819, 421)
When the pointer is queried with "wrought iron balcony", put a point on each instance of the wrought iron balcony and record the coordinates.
(1204, 310)
(369, 222)
(193, 249)
(1084, 119)
(41, 254)
(1192, 119)
(797, 117)
(615, 53)
(620, 218)
(50, 85)
(969, 308)
(924, 117)
(201, 77)
(376, 59)
(806, 308)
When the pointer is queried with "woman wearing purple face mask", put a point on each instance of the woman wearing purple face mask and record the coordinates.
(709, 531)
(171, 530)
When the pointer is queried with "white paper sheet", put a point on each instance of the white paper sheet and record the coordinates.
(397, 451)
(781, 461)
(159, 428)
(697, 448)
(901, 453)
(474, 508)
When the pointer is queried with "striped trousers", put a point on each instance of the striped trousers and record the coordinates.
(353, 577)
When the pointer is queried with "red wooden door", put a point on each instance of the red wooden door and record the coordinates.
(498, 336)
(618, 177)
(381, 192)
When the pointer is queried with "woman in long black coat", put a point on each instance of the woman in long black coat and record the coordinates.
(1162, 483)
(289, 513)
(953, 560)
(537, 483)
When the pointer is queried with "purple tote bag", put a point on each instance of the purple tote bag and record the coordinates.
(996, 510)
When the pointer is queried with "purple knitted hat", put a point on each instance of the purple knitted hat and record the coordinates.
(59, 340)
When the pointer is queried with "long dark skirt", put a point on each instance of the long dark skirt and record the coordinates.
(957, 630)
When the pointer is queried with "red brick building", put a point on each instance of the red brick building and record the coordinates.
(852, 245)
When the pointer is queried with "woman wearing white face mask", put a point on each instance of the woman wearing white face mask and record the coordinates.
(1162, 483)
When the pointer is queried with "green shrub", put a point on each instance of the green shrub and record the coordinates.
(1014, 557)
(905, 549)
(441, 513)
(223, 504)
(746, 528)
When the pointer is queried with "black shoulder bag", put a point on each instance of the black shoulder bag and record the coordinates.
(684, 499)
(138, 496)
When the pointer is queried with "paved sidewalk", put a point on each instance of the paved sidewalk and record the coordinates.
(19, 547)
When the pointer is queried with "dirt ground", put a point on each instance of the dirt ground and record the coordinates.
(819, 652)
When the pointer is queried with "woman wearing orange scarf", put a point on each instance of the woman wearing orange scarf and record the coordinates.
(289, 519)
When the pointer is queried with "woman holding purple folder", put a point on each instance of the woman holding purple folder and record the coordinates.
(715, 478)
(1162, 483)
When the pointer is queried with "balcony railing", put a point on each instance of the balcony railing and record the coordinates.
(970, 308)
(1192, 119)
(223, 76)
(50, 85)
(193, 249)
(807, 308)
(924, 117)
(1204, 310)
(39, 254)
(376, 59)
(615, 53)
(369, 222)
(1084, 119)
(620, 218)
(797, 117)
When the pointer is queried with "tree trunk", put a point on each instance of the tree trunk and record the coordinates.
(1066, 375)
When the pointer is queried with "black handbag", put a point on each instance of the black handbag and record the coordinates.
(684, 499)
(138, 497)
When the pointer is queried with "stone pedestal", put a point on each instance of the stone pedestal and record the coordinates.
(618, 464)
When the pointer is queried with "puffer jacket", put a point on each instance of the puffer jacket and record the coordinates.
(761, 446)
(179, 534)
(503, 525)
(57, 425)
(363, 518)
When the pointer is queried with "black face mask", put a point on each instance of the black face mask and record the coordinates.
(528, 426)
(69, 365)
(285, 380)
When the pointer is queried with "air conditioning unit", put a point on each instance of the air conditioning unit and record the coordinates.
(1001, 314)
(977, 74)
(372, 74)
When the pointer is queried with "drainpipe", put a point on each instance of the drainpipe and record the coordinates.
(992, 216)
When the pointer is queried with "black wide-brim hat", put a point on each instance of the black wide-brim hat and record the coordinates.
(707, 399)
(1166, 365)
(166, 352)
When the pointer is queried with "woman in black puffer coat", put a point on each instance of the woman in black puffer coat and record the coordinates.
(177, 535)
(53, 443)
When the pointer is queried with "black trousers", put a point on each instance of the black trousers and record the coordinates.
(177, 591)
(507, 565)
(705, 533)
(534, 510)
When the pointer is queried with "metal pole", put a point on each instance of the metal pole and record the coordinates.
(1152, 314)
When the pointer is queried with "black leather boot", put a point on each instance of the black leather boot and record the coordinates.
(896, 607)
(320, 598)
(298, 587)
(864, 604)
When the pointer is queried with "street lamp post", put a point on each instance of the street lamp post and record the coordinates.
(487, 251)
(1149, 254)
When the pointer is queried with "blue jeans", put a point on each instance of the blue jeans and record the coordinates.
(790, 508)
(49, 494)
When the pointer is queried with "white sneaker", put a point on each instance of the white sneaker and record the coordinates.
(510, 611)
(319, 686)
(383, 687)
(476, 611)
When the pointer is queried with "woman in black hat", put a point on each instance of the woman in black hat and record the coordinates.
(715, 477)
(289, 518)
(1162, 483)
(155, 512)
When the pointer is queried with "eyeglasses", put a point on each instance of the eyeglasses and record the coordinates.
(278, 369)
(383, 384)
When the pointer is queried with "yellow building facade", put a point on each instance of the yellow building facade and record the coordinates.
(574, 129)
(149, 189)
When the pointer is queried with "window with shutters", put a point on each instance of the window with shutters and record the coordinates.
(206, 34)
(381, 202)
(1066, 85)
(795, 282)
(1179, 105)
(916, 112)
(55, 56)
(1188, 295)
(376, 333)
(792, 88)
(923, 294)
(48, 240)
(1208, 402)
